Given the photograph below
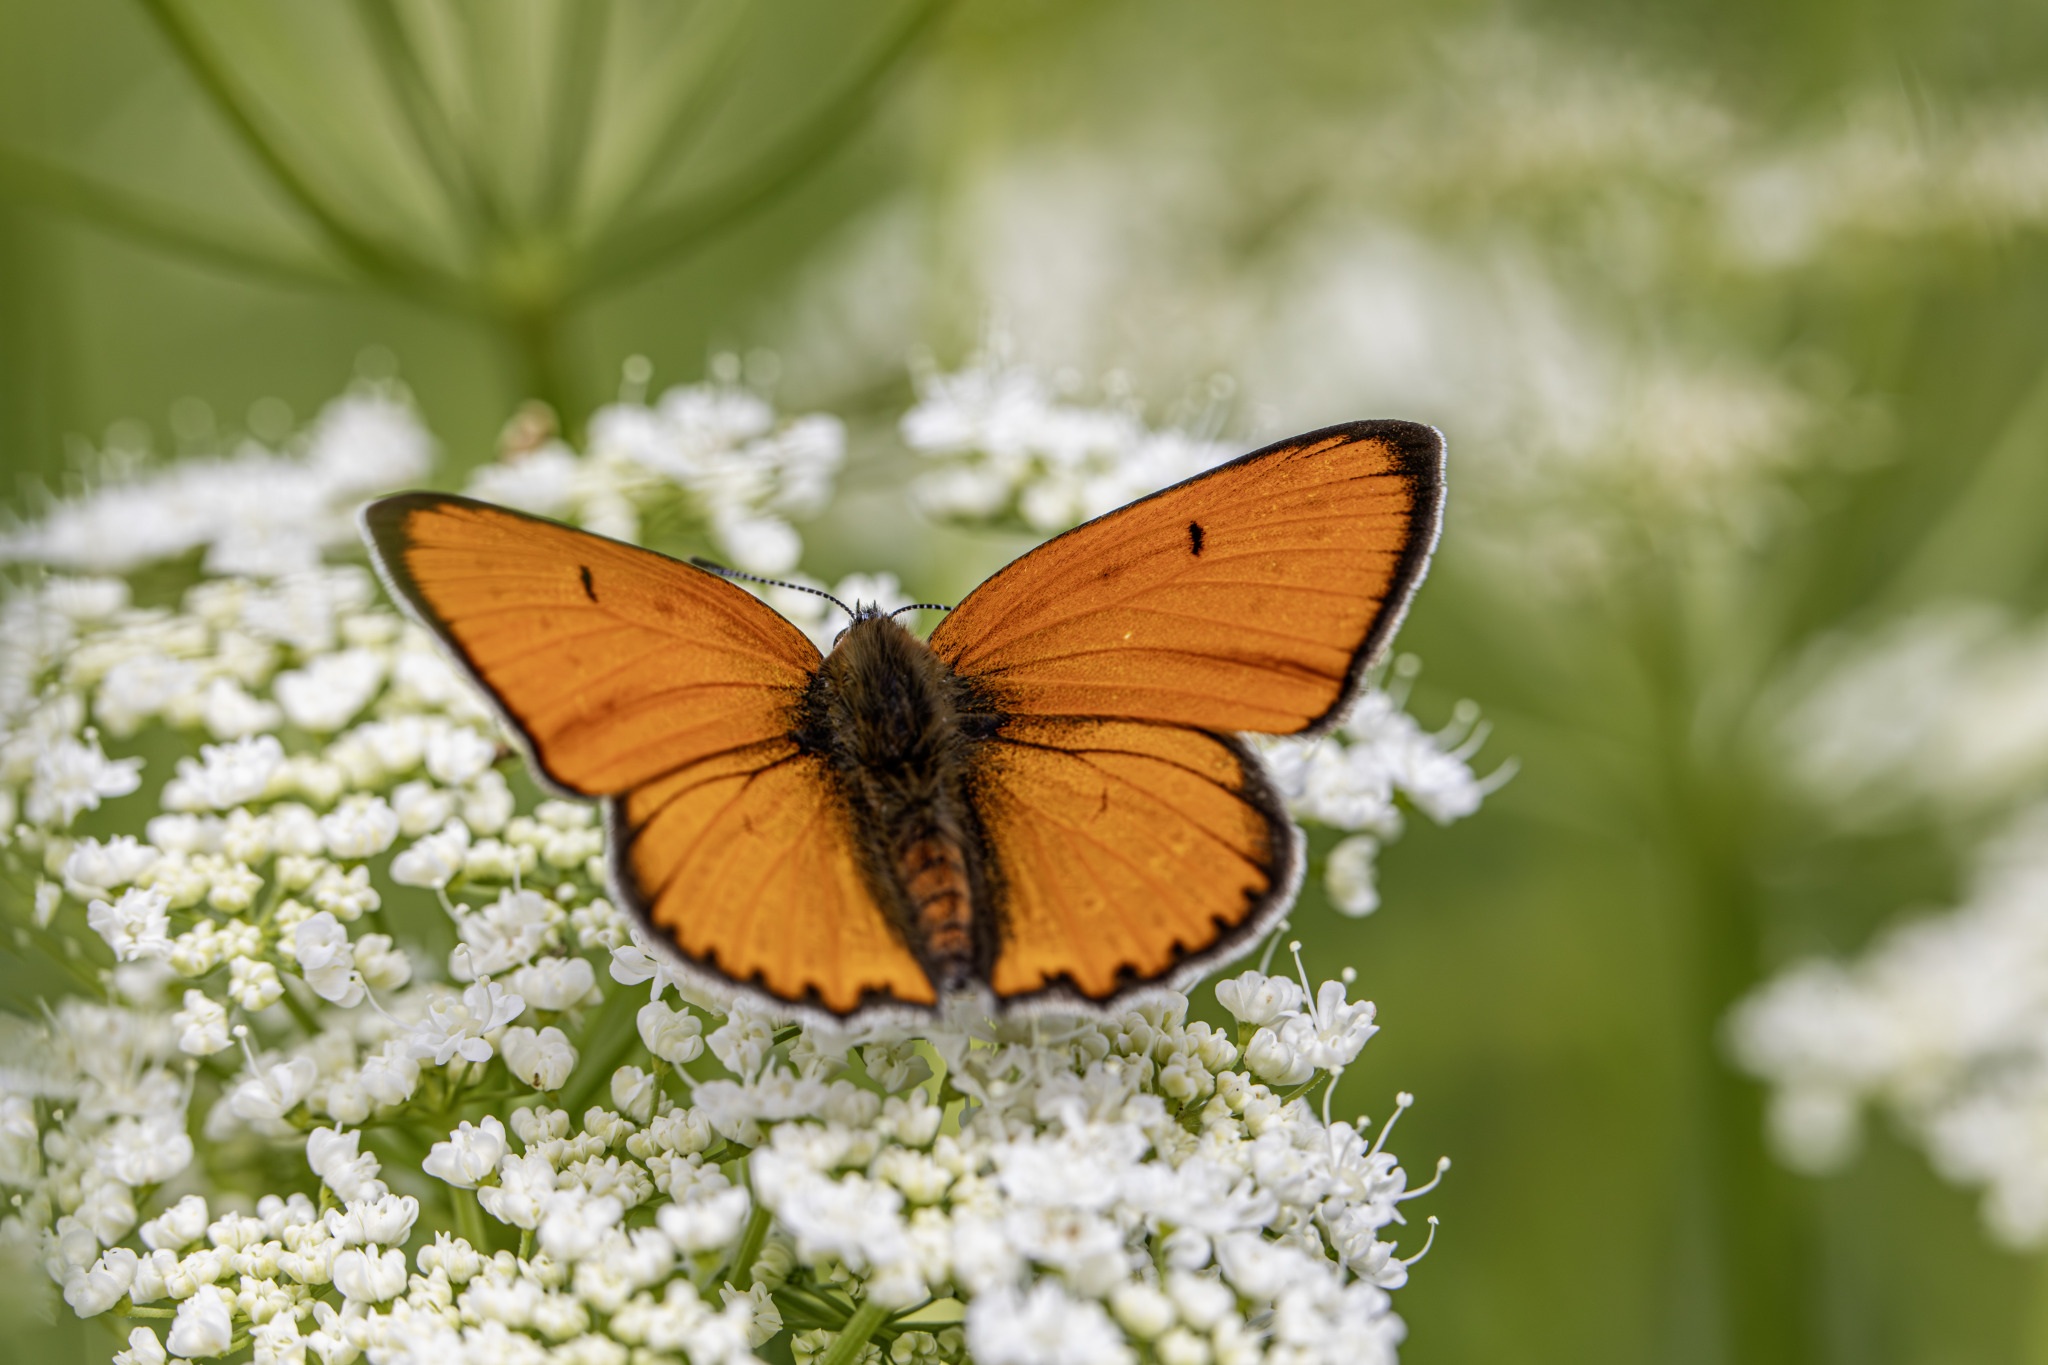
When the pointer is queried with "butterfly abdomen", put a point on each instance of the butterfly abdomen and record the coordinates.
(900, 734)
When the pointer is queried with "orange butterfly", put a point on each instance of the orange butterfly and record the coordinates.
(1045, 801)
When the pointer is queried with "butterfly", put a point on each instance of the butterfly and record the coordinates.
(1047, 802)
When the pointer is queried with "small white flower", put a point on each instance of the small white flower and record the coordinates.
(329, 692)
(743, 1041)
(675, 1036)
(361, 827)
(145, 1151)
(422, 807)
(469, 1155)
(390, 1074)
(205, 1324)
(71, 777)
(633, 1092)
(274, 1092)
(1042, 1326)
(1349, 876)
(708, 1222)
(118, 862)
(1256, 999)
(1283, 1054)
(383, 1221)
(573, 1223)
(459, 755)
(364, 1276)
(229, 712)
(92, 1292)
(178, 1226)
(253, 985)
(347, 895)
(455, 1028)
(555, 983)
(226, 775)
(143, 1349)
(543, 1060)
(381, 965)
(136, 926)
(202, 1025)
(321, 948)
(1142, 1309)
(434, 860)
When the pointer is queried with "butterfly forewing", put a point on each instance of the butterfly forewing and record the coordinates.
(617, 664)
(1250, 598)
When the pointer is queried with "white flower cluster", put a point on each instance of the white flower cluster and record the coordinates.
(1943, 1022)
(336, 928)
(255, 510)
(1014, 449)
(1946, 709)
(712, 455)
(1352, 779)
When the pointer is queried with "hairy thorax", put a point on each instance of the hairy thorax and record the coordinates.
(900, 729)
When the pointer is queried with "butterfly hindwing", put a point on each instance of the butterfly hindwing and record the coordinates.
(671, 691)
(1253, 597)
(1130, 853)
(745, 862)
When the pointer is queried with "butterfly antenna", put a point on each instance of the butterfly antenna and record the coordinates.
(711, 566)
(919, 606)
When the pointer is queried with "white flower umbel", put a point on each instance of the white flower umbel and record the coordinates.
(1010, 448)
(255, 510)
(1357, 778)
(342, 921)
(1943, 1022)
(714, 457)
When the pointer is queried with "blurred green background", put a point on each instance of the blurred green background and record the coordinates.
(1735, 316)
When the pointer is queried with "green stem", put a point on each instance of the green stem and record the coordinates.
(141, 219)
(300, 1013)
(749, 1248)
(846, 1347)
(604, 1044)
(1752, 1215)
(469, 1220)
(659, 237)
(377, 260)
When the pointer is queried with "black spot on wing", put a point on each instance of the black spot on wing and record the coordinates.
(588, 591)
(1195, 537)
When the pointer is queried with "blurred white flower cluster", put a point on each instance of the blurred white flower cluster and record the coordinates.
(1937, 717)
(1944, 710)
(1354, 779)
(254, 510)
(1943, 1023)
(1013, 448)
(332, 931)
(714, 454)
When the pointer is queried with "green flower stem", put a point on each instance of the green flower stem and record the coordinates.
(469, 1220)
(300, 1013)
(823, 1311)
(143, 219)
(846, 1348)
(633, 248)
(605, 1042)
(750, 1248)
